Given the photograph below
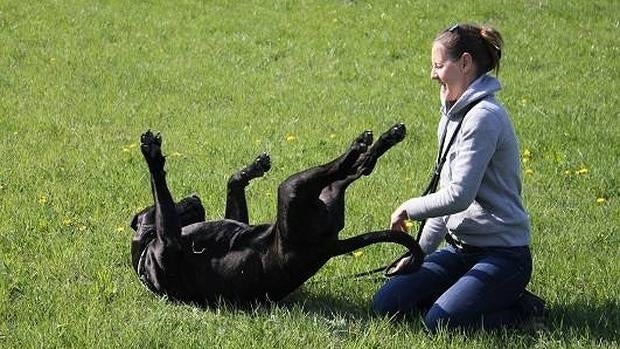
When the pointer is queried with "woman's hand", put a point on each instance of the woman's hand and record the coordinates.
(399, 219)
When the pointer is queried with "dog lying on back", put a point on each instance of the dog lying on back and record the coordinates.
(177, 254)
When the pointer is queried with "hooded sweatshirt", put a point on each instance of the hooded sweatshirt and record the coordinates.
(479, 197)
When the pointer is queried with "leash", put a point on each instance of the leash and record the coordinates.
(388, 270)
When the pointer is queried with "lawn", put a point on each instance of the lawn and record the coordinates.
(226, 80)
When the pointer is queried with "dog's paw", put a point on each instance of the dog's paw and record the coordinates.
(365, 138)
(259, 167)
(397, 133)
(150, 145)
(263, 161)
(363, 141)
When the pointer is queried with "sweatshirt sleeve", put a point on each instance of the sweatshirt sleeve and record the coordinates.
(432, 234)
(474, 148)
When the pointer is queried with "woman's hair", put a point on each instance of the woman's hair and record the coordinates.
(483, 43)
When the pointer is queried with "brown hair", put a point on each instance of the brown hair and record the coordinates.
(483, 43)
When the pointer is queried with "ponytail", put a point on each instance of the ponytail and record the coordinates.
(494, 44)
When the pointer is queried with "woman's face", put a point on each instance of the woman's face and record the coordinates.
(451, 75)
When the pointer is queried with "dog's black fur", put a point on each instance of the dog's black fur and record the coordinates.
(178, 254)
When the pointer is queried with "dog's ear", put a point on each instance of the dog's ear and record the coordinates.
(134, 222)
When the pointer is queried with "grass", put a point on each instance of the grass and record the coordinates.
(225, 80)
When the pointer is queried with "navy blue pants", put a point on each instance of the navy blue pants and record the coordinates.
(461, 288)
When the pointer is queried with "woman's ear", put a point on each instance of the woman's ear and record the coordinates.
(467, 62)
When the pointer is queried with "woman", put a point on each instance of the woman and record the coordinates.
(479, 279)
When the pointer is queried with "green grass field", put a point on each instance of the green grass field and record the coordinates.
(226, 80)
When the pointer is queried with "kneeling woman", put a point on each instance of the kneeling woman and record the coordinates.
(479, 279)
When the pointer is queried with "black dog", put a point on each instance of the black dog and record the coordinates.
(178, 254)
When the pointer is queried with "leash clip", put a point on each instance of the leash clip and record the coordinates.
(196, 251)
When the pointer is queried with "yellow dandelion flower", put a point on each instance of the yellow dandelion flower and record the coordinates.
(527, 153)
(332, 136)
(529, 171)
(408, 224)
(582, 171)
(290, 138)
(120, 229)
(357, 253)
(42, 199)
(601, 200)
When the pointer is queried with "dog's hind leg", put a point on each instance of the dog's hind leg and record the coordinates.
(366, 163)
(300, 202)
(236, 204)
(333, 194)
(166, 218)
(312, 181)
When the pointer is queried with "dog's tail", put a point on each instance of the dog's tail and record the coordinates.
(351, 244)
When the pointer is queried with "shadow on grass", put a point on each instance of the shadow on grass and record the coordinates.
(601, 321)
(326, 304)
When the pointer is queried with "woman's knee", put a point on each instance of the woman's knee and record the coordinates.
(384, 304)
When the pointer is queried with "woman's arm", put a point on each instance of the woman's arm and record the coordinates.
(478, 142)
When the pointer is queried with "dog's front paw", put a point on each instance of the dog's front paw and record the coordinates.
(150, 145)
(259, 167)
(263, 162)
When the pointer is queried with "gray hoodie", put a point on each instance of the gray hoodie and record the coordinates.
(479, 197)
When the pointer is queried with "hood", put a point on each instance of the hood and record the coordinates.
(485, 85)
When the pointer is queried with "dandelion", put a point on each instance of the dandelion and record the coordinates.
(332, 136)
(582, 171)
(408, 224)
(527, 153)
(127, 148)
(42, 200)
(601, 200)
(290, 138)
(529, 172)
(357, 253)
(120, 229)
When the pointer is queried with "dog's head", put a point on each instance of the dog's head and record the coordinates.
(143, 223)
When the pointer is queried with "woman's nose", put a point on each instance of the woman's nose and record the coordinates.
(434, 75)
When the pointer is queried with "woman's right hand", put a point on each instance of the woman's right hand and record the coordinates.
(398, 220)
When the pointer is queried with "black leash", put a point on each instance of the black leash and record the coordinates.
(431, 188)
